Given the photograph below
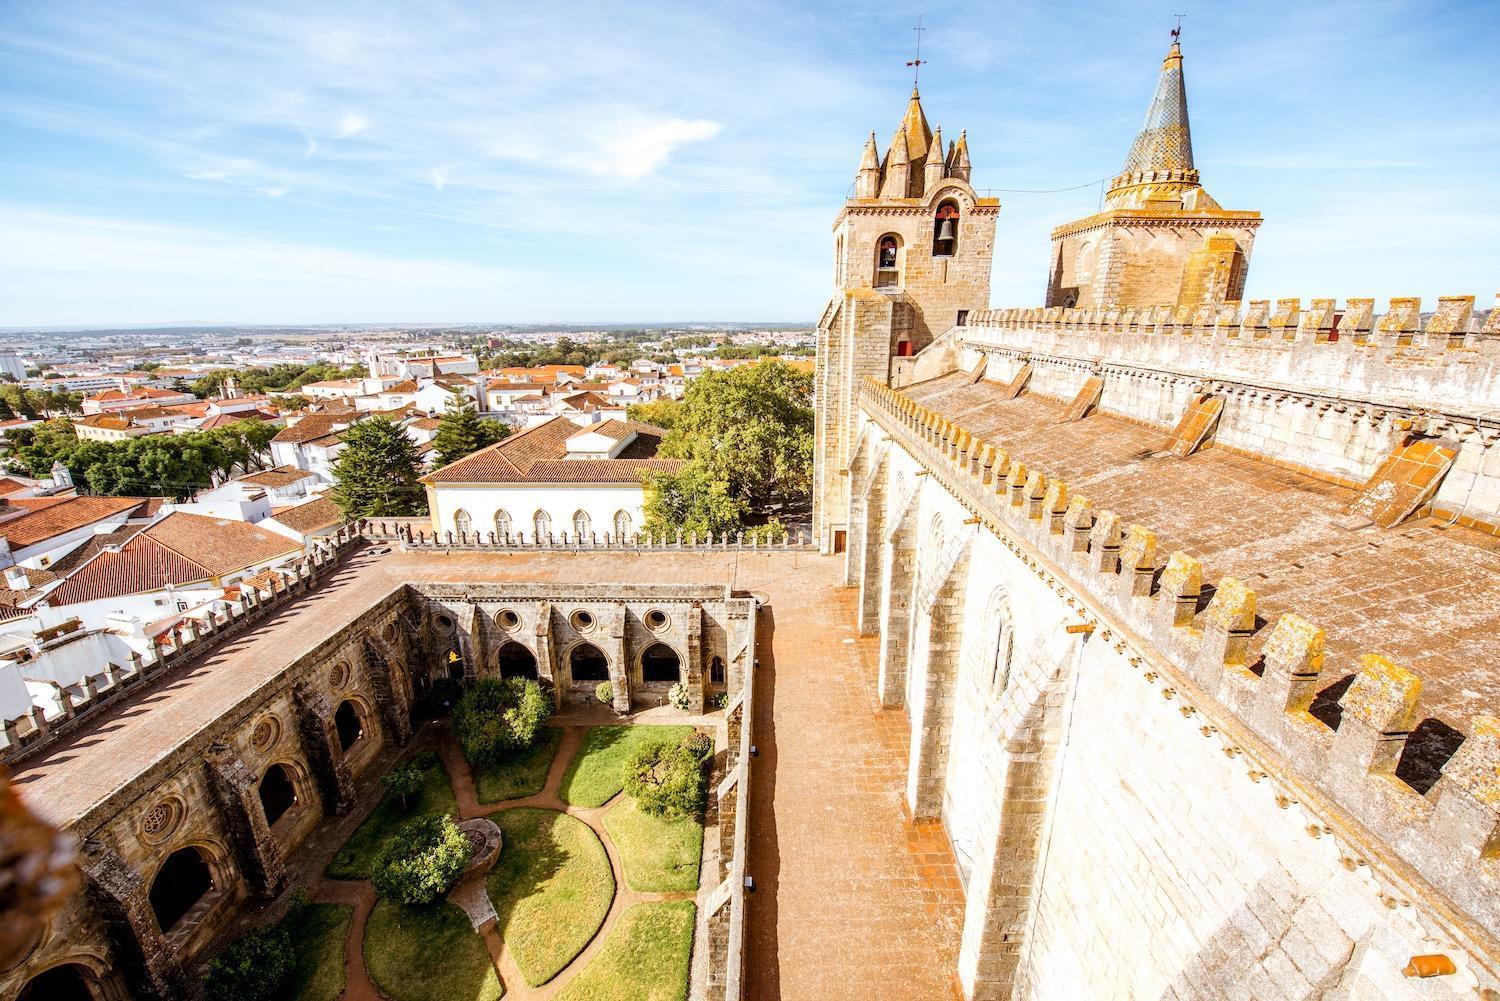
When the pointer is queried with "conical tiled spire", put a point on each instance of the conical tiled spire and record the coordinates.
(1165, 141)
(958, 158)
(867, 178)
(870, 159)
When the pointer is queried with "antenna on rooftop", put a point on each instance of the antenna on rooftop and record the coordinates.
(917, 63)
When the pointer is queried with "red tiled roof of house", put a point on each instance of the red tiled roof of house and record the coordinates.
(115, 421)
(310, 427)
(224, 420)
(180, 549)
(10, 486)
(408, 386)
(319, 513)
(539, 455)
(280, 476)
(58, 519)
(137, 393)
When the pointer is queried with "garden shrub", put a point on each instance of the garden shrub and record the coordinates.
(605, 692)
(257, 967)
(700, 744)
(405, 783)
(441, 695)
(419, 863)
(721, 701)
(665, 779)
(498, 717)
(678, 696)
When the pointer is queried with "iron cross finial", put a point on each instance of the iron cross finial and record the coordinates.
(917, 63)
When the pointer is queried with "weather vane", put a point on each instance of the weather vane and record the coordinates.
(1177, 31)
(916, 64)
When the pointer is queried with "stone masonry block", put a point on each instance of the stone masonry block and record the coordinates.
(1138, 561)
(1293, 662)
(1468, 808)
(1181, 584)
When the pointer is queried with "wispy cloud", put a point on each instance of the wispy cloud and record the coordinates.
(351, 124)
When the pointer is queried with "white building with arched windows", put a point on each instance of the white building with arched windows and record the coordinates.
(554, 479)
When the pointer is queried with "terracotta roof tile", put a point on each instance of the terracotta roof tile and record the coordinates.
(539, 455)
(281, 476)
(58, 519)
(316, 514)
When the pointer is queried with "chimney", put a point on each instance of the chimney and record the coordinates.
(16, 579)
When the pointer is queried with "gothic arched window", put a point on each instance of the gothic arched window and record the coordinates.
(582, 524)
(502, 525)
(945, 230)
(1004, 646)
(888, 261)
(462, 523)
(622, 525)
(541, 522)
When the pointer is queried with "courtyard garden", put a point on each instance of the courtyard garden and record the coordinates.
(507, 857)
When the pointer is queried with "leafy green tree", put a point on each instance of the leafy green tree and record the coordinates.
(665, 779)
(405, 783)
(746, 436)
(419, 863)
(463, 431)
(498, 717)
(662, 413)
(377, 472)
(257, 967)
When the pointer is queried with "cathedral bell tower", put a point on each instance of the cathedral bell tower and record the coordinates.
(912, 248)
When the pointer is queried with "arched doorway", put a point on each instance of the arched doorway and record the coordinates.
(180, 883)
(716, 671)
(277, 793)
(588, 663)
(660, 663)
(61, 983)
(517, 662)
(348, 724)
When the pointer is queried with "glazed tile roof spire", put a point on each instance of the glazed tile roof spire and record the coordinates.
(1165, 141)
(914, 124)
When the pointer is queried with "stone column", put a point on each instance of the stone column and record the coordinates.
(320, 740)
(692, 670)
(895, 616)
(257, 852)
(932, 719)
(619, 667)
(872, 555)
(119, 895)
(546, 654)
(392, 691)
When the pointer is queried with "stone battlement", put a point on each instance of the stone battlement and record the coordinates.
(1452, 361)
(1350, 762)
(638, 542)
(183, 643)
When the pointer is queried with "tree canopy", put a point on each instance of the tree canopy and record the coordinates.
(463, 431)
(746, 436)
(377, 472)
(287, 377)
(168, 465)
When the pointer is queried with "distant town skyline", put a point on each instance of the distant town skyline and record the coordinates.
(441, 164)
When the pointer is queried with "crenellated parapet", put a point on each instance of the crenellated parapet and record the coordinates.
(1251, 685)
(183, 643)
(1450, 360)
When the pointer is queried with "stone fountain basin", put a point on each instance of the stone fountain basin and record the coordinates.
(486, 838)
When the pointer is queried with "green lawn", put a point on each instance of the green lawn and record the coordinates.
(428, 954)
(523, 775)
(593, 776)
(645, 958)
(353, 860)
(659, 856)
(551, 888)
(319, 932)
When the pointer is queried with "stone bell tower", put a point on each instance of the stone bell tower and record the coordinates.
(1161, 240)
(912, 248)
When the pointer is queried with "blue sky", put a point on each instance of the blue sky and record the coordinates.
(423, 161)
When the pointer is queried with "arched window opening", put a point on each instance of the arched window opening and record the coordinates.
(462, 523)
(181, 882)
(945, 230)
(516, 661)
(277, 793)
(502, 525)
(541, 523)
(716, 671)
(1001, 654)
(348, 724)
(582, 524)
(888, 261)
(660, 663)
(61, 983)
(623, 526)
(587, 663)
(453, 664)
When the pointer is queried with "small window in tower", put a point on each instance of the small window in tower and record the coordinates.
(945, 230)
(888, 262)
(963, 318)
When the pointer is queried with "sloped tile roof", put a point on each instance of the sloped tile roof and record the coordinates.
(281, 476)
(316, 514)
(60, 518)
(539, 455)
(310, 427)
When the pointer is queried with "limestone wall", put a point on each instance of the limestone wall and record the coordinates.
(1135, 813)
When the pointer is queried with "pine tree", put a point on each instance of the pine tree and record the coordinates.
(377, 472)
(463, 430)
